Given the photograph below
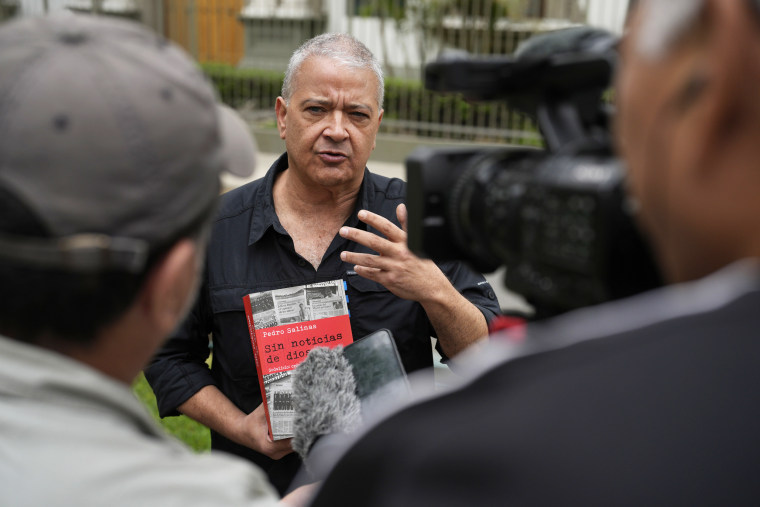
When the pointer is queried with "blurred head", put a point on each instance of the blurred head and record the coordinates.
(111, 147)
(330, 111)
(688, 123)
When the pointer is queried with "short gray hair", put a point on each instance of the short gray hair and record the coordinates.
(341, 47)
(663, 22)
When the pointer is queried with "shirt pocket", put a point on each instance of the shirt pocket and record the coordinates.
(227, 299)
(372, 306)
(233, 351)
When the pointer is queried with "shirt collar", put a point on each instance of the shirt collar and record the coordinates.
(264, 216)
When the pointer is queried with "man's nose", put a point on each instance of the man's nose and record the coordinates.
(336, 127)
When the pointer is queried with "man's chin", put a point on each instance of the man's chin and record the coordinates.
(336, 175)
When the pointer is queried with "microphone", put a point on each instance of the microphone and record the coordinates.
(336, 390)
(324, 398)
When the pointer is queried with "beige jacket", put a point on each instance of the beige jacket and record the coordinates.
(72, 436)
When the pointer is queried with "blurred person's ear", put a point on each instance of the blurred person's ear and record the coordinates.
(712, 97)
(171, 286)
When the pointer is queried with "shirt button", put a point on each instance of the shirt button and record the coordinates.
(301, 262)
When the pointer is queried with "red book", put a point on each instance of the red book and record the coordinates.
(284, 325)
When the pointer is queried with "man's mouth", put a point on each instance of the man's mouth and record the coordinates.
(332, 157)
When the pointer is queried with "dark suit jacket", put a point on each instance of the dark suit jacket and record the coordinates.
(650, 401)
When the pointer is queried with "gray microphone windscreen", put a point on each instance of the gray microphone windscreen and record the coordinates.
(324, 398)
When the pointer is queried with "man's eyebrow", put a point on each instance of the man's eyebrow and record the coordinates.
(319, 102)
(329, 103)
(359, 105)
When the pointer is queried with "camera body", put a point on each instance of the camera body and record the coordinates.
(558, 219)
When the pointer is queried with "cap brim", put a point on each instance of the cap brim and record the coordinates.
(238, 142)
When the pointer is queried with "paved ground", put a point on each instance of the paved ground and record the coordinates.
(507, 299)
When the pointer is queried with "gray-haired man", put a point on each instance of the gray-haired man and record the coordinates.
(317, 215)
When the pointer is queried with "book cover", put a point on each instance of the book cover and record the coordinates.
(284, 324)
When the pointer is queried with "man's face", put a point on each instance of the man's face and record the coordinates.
(330, 123)
(638, 95)
(652, 139)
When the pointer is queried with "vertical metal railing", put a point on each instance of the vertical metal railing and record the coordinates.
(244, 46)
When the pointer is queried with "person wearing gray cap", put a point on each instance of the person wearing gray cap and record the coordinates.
(111, 147)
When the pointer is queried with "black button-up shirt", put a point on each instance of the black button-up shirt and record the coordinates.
(249, 252)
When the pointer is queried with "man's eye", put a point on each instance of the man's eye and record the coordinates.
(359, 115)
(315, 109)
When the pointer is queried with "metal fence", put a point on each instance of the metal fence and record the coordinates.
(244, 46)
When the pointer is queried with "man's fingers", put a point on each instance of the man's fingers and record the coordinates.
(403, 217)
(368, 239)
(382, 224)
(363, 260)
(366, 272)
(279, 448)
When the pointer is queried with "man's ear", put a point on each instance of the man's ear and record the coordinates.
(712, 96)
(379, 121)
(171, 285)
(281, 109)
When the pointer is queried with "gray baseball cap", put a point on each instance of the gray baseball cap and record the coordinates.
(111, 136)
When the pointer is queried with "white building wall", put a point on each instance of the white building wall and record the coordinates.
(609, 14)
(397, 50)
(401, 50)
(337, 21)
(33, 7)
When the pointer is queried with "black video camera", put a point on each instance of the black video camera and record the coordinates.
(558, 219)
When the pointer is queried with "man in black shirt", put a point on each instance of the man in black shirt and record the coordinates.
(317, 215)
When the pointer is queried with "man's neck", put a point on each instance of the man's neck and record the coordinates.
(120, 350)
(294, 196)
(312, 216)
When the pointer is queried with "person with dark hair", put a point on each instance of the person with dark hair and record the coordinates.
(652, 400)
(317, 215)
(111, 148)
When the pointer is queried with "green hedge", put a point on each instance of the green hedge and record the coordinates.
(194, 434)
(254, 88)
(405, 101)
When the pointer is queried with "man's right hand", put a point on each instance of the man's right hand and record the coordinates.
(254, 425)
(212, 408)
